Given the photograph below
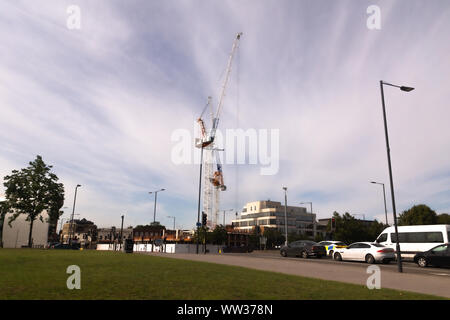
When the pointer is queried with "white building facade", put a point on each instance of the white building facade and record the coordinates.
(16, 236)
(270, 214)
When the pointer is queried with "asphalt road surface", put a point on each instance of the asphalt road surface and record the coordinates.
(434, 281)
(408, 266)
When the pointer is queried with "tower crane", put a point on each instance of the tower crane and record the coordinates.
(206, 140)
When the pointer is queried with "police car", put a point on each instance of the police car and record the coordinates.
(331, 246)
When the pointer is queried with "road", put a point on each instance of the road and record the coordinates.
(408, 266)
(434, 281)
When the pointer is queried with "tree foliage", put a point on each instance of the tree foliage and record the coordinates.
(219, 235)
(443, 218)
(33, 190)
(274, 237)
(349, 229)
(418, 215)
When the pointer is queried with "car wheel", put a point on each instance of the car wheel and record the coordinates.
(337, 256)
(386, 261)
(370, 259)
(283, 253)
(304, 254)
(422, 262)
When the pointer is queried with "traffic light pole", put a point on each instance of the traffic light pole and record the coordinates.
(204, 248)
(199, 198)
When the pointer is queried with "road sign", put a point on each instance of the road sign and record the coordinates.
(199, 224)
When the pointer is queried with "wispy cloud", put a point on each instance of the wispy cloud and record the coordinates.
(100, 103)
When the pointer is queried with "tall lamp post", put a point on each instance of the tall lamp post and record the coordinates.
(384, 195)
(406, 89)
(199, 198)
(61, 213)
(156, 197)
(310, 203)
(121, 232)
(173, 221)
(224, 213)
(73, 213)
(285, 215)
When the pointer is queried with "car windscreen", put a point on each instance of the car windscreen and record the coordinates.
(340, 244)
(377, 245)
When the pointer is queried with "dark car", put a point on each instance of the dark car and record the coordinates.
(438, 256)
(237, 249)
(304, 249)
(73, 246)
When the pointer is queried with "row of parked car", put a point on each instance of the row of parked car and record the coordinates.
(370, 252)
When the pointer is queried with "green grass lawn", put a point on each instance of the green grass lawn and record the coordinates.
(41, 274)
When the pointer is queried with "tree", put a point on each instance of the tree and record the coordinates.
(350, 230)
(443, 218)
(318, 237)
(274, 237)
(418, 215)
(33, 190)
(219, 235)
(293, 236)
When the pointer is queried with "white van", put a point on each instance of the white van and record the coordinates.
(414, 239)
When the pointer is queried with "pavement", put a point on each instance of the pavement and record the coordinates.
(435, 283)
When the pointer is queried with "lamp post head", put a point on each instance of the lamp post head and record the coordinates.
(407, 89)
(78, 185)
(285, 188)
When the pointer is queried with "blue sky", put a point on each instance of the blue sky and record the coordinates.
(100, 103)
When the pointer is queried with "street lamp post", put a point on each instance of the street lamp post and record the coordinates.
(173, 221)
(406, 89)
(121, 233)
(384, 195)
(310, 203)
(73, 213)
(61, 229)
(224, 212)
(199, 198)
(61, 224)
(156, 197)
(285, 215)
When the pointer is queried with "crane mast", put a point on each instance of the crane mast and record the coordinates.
(206, 142)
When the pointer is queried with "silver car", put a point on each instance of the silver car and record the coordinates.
(365, 251)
